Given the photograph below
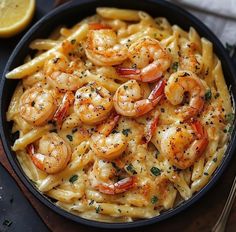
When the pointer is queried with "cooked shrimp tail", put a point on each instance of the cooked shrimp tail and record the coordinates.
(144, 106)
(201, 133)
(107, 127)
(118, 187)
(62, 110)
(37, 158)
(151, 127)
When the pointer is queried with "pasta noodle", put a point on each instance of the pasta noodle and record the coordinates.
(120, 117)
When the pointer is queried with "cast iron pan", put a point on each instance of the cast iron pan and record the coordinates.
(69, 14)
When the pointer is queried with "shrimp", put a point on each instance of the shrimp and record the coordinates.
(93, 103)
(37, 106)
(183, 82)
(63, 109)
(62, 73)
(150, 59)
(53, 153)
(183, 145)
(101, 179)
(102, 48)
(127, 99)
(107, 145)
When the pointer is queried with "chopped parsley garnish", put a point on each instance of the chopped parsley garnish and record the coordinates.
(155, 171)
(206, 174)
(154, 200)
(230, 118)
(69, 137)
(98, 209)
(126, 132)
(208, 95)
(7, 223)
(73, 178)
(175, 66)
(119, 210)
(215, 160)
(130, 168)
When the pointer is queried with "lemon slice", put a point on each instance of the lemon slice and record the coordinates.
(15, 15)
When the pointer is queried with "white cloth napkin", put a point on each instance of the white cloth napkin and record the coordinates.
(218, 15)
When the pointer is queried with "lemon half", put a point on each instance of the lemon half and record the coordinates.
(15, 15)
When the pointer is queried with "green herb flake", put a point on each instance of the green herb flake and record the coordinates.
(230, 118)
(206, 173)
(73, 178)
(7, 223)
(130, 168)
(208, 95)
(154, 200)
(119, 210)
(126, 132)
(69, 137)
(175, 66)
(98, 209)
(155, 171)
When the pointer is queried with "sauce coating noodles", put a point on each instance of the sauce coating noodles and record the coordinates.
(121, 116)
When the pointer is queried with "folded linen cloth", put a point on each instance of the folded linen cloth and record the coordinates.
(218, 15)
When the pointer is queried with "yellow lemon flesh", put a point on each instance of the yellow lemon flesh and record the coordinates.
(15, 15)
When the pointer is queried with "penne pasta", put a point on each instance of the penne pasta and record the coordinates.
(114, 13)
(121, 116)
(36, 63)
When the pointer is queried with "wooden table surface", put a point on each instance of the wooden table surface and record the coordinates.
(199, 217)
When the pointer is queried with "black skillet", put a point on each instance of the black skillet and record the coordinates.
(71, 13)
